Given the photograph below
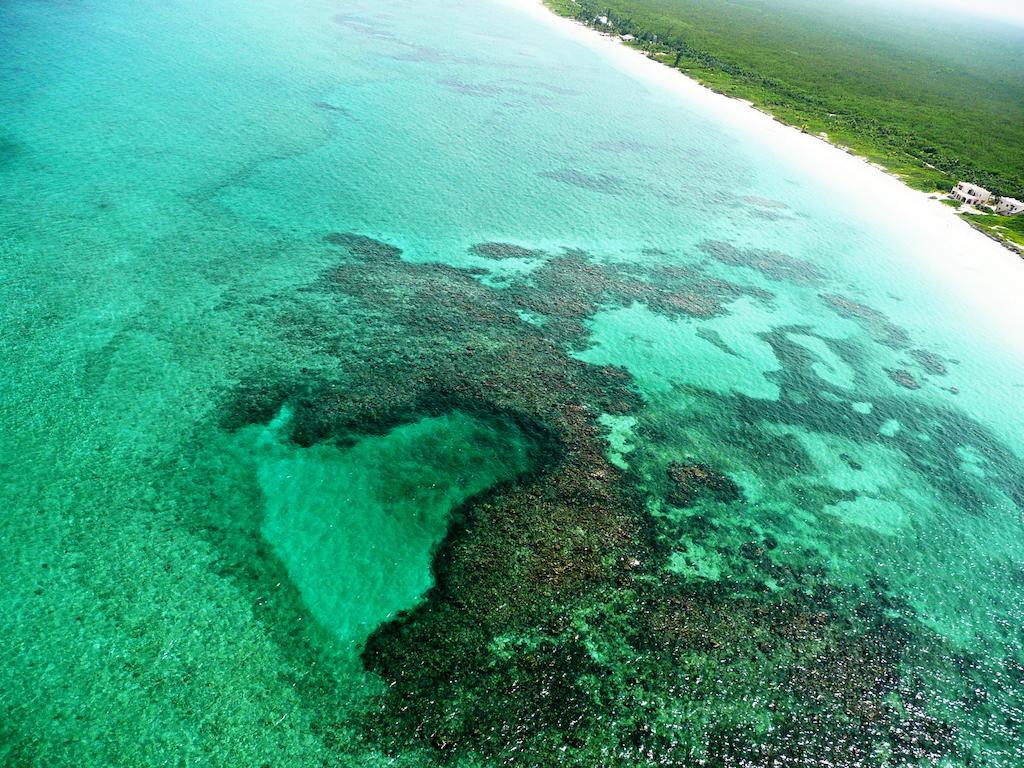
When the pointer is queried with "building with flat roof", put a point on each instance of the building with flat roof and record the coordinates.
(1007, 206)
(969, 193)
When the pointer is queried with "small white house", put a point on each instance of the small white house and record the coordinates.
(627, 38)
(1007, 206)
(603, 20)
(969, 193)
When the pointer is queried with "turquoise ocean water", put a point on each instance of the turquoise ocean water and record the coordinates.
(403, 384)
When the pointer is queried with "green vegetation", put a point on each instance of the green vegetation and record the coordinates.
(932, 98)
(1007, 228)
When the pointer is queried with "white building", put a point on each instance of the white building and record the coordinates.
(969, 193)
(627, 38)
(1007, 206)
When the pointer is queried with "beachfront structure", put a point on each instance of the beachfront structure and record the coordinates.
(1007, 206)
(969, 193)
(627, 38)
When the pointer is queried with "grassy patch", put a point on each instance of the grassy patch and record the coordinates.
(1010, 228)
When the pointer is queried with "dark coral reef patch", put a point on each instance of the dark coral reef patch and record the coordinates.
(500, 251)
(570, 288)
(903, 377)
(930, 361)
(883, 330)
(691, 481)
(557, 631)
(600, 182)
(773, 264)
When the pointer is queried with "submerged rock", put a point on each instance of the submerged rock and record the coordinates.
(903, 377)
(851, 462)
(500, 251)
(931, 362)
(364, 247)
(694, 481)
(883, 330)
(773, 264)
(600, 182)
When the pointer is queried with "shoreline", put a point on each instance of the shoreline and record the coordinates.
(577, 30)
(984, 274)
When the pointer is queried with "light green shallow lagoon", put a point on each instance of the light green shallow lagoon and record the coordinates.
(403, 384)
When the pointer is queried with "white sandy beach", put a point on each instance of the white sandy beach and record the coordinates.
(984, 276)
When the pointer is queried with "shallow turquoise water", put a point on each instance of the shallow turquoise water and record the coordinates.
(168, 175)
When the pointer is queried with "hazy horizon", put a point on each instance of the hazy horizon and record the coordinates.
(997, 10)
